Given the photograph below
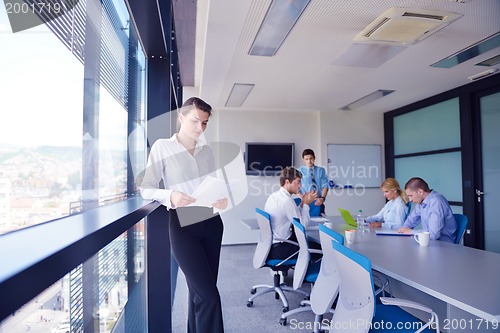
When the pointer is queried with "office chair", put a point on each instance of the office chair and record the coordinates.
(326, 287)
(462, 222)
(306, 269)
(277, 265)
(356, 302)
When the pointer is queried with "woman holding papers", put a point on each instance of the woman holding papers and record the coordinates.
(183, 162)
(394, 213)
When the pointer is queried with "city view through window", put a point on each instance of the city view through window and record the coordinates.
(42, 164)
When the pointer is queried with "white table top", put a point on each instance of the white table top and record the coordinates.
(464, 277)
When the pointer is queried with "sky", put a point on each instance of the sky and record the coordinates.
(41, 89)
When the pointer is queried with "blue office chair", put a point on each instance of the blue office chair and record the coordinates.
(306, 269)
(313, 209)
(462, 222)
(277, 265)
(356, 302)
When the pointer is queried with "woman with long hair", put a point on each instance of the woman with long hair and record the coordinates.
(395, 211)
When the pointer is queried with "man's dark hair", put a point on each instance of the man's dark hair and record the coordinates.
(289, 173)
(417, 183)
(308, 152)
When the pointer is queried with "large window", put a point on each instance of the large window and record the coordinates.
(47, 166)
(427, 145)
(40, 134)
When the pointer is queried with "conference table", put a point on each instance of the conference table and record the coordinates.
(460, 283)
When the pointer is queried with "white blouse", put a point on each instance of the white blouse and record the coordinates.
(393, 214)
(171, 162)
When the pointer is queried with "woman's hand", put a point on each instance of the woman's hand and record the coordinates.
(179, 199)
(220, 204)
(375, 225)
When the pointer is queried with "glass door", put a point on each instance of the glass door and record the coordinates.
(488, 194)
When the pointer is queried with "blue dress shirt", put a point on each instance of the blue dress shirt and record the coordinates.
(436, 217)
(320, 178)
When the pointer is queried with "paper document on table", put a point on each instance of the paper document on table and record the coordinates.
(389, 232)
(209, 191)
(319, 219)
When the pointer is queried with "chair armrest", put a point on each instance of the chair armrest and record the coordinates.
(405, 303)
(287, 241)
(316, 251)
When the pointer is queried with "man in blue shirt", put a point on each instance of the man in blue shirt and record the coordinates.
(314, 178)
(431, 209)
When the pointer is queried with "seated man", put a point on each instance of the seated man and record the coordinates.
(431, 209)
(283, 209)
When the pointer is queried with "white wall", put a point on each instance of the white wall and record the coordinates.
(307, 130)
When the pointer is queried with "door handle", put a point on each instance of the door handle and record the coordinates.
(479, 194)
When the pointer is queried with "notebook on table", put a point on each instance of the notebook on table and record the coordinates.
(315, 220)
(390, 232)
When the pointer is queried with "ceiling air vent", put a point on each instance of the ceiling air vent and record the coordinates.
(405, 26)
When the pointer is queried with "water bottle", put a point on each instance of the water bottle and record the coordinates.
(360, 220)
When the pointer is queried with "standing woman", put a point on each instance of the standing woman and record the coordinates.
(395, 211)
(182, 162)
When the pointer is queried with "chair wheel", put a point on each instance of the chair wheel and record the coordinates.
(283, 321)
(253, 291)
(285, 309)
(249, 304)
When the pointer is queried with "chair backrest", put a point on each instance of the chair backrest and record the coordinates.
(304, 257)
(462, 222)
(408, 211)
(265, 238)
(356, 303)
(326, 287)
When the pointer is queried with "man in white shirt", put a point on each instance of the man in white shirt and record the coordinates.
(282, 208)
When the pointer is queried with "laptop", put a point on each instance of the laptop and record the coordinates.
(346, 215)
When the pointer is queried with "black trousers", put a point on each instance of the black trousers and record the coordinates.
(285, 250)
(196, 248)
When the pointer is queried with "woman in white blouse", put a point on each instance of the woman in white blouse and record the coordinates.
(395, 211)
(182, 162)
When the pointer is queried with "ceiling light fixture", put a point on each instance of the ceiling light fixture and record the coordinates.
(482, 74)
(238, 94)
(277, 24)
(490, 62)
(366, 99)
(472, 51)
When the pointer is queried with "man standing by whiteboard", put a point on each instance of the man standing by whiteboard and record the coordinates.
(314, 178)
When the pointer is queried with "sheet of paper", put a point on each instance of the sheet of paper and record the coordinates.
(319, 219)
(209, 191)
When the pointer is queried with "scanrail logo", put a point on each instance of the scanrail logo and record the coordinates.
(26, 14)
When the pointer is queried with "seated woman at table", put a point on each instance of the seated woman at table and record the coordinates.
(393, 214)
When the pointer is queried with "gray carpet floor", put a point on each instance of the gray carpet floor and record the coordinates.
(236, 278)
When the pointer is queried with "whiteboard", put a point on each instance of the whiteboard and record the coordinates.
(355, 165)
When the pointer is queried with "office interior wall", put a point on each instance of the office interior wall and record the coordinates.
(351, 127)
(307, 129)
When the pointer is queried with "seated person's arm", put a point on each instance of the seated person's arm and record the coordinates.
(376, 220)
(411, 222)
(435, 225)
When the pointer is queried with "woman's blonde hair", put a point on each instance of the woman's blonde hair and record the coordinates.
(392, 184)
